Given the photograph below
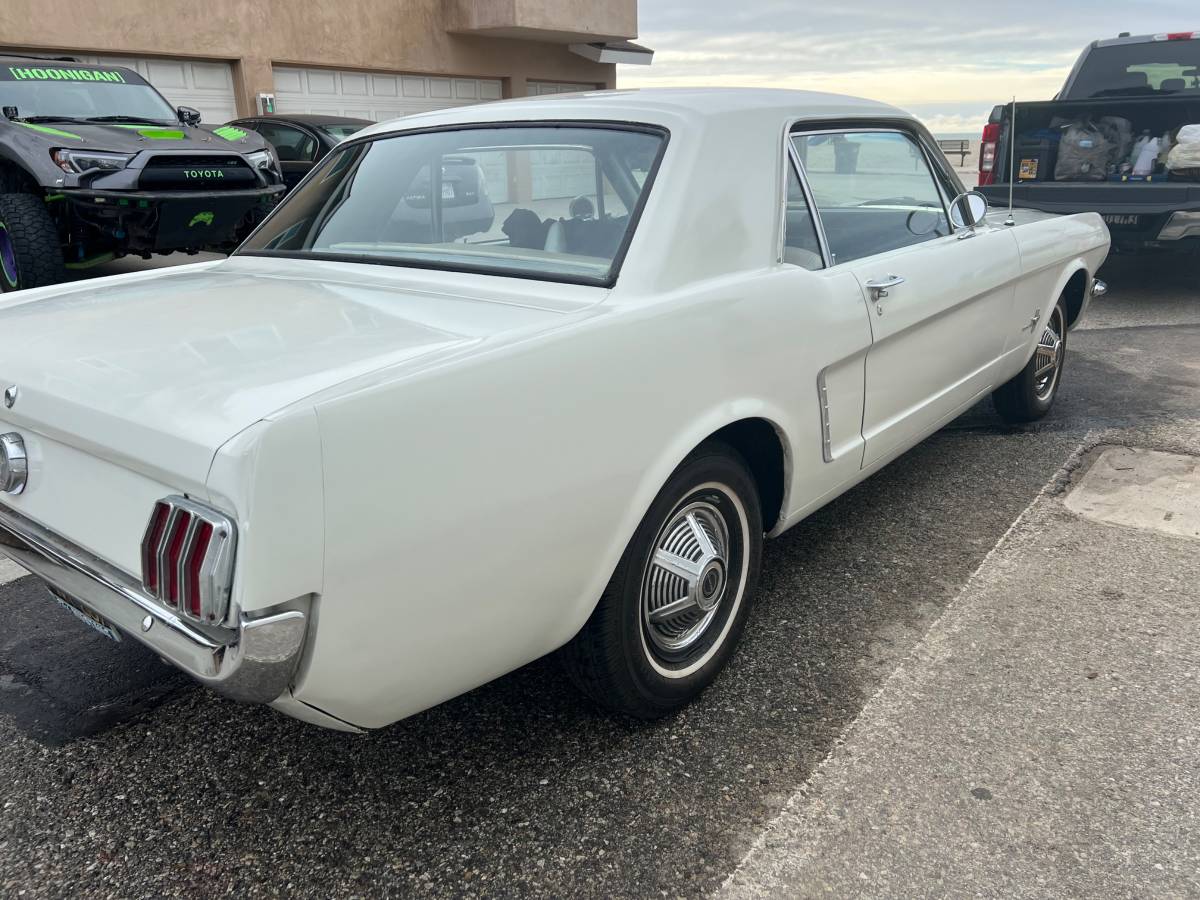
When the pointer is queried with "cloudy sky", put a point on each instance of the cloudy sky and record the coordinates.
(942, 60)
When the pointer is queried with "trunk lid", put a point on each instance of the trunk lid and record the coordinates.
(156, 371)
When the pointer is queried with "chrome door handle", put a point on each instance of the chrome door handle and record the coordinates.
(879, 286)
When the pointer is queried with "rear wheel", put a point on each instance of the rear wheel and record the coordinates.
(30, 253)
(1029, 395)
(677, 603)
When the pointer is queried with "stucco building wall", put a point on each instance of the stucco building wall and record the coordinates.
(429, 37)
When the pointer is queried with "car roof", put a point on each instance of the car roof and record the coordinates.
(311, 119)
(658, 106)
(1147, 38)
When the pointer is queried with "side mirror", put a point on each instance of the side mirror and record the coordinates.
(188, 116)
(924, 221)
(967, 210)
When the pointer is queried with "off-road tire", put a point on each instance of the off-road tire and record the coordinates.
(1026, 398)
(619, 658)
(29, 233)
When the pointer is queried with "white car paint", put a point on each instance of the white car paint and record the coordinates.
(444, 468)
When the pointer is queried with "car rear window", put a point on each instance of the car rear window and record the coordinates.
(555, 202)
(1142, 69)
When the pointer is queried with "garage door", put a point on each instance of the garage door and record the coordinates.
(207, 86)
(374, 95)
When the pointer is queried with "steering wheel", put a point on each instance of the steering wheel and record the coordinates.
(582, 208)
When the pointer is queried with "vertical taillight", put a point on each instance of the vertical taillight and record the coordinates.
(179, 530)
(195, 563)
(987, 153)
(187, 559)
(150, 542)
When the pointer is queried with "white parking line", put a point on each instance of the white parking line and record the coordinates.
(10, 571)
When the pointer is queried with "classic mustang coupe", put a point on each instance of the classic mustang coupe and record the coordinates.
(532, 376)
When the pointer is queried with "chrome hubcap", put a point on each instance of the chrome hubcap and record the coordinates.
(686, 577)
(1048, 357)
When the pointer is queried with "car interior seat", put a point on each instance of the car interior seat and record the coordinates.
(525, 228)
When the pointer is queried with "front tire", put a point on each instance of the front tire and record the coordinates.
(30, 253)
(676, 605)
(1029, 396)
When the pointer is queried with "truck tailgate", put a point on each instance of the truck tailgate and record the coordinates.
(1133, 212)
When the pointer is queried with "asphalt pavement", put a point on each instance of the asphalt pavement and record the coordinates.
(122, 780)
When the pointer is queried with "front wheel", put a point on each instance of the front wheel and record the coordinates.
(677, 603)
(1029, 395)
(30, 253)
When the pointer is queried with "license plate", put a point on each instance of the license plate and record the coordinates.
(90, 619)
(1123, 221)
(447, 191)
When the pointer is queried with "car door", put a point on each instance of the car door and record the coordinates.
(938, 296)
(828, 335)
(296, 148)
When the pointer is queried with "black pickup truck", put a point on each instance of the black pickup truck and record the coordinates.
(1121, 93)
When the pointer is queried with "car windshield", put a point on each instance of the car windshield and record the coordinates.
(340, 131)
(1144, 68)
(551, 202)
(63, 90)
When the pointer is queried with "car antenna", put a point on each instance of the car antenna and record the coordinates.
(1012, 159)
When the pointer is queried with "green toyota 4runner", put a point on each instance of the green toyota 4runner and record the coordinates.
(95, 164)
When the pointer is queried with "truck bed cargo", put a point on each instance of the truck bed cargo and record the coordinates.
(1152, 83)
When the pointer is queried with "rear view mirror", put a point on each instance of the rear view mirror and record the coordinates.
(968, 209)
(188, 116)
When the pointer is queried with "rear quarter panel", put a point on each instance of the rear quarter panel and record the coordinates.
(474, 515)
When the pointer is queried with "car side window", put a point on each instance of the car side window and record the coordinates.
(874, 191)
(800, 244)
(291, 144)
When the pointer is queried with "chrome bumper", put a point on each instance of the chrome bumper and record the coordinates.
(253, 662)
(1181, 225)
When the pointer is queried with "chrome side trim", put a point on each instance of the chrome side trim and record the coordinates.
(813, 212)
(823, 405)
(254, 661)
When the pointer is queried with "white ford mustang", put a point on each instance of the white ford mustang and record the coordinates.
(538, 375)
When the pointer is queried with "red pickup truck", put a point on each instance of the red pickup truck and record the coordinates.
(1081, 151)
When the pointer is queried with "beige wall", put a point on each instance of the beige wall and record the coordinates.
(564, 20)
(393, 35)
